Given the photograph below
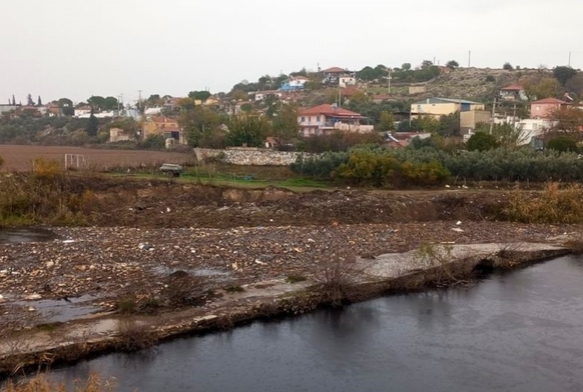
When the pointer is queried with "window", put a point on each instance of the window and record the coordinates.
(538, 108)
(303, 119)
(318, 118)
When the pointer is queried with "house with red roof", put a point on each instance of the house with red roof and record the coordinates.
(514, 92)
(326, 119)
(544, 108)
(339, 76)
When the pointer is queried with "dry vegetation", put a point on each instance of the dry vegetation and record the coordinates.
(41, 383)
(553, 205)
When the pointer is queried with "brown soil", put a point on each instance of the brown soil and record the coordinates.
(20, 158)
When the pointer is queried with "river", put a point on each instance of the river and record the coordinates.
(519, 331)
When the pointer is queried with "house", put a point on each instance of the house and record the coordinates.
(294, 83)
(119, 135)
(534, 129)
(262, 95)
(544, 108)
(325, 119)
(82, 111)
(513, 92)
(339, 76)
(443, 106)
(471, 118)
(8, 108)
(165, 126)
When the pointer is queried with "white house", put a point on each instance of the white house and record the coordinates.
(82, 112)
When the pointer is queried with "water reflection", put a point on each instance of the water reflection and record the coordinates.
(513, 332)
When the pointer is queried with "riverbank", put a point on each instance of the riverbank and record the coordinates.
(261, 295)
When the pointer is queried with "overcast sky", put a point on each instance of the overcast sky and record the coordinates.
(79, 48)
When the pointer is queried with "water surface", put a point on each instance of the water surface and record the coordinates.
(521, 331)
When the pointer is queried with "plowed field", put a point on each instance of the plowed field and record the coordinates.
(20, 157)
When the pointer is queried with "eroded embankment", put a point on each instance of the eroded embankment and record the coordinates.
(428, 266)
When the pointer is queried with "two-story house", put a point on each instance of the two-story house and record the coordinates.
(513, 92)
(325, 119)
(165, 126)
(339, 76)
(544, 108)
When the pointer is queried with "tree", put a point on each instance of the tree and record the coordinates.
(239, 95)
(199, 95)
(66, 106)
(154, 100)
(481, 141)
(200, 124)
(39, 102)
(426, 64)
(508, 67)
(563, 144)
(575, 84)
(29, 100)
(406, 66)
(449, 125)
(111, 103)
(540, 87)
(248, 130)
(562, 74)
(386, 121)
(285, 123)
(92, 125)
(506, 134)
(247, 107)
(452, 64)
(186, 104)
(13, 100)
(567, 119)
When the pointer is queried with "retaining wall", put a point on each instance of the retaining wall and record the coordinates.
(249, 156)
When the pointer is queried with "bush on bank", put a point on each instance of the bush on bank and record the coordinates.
(47, 195)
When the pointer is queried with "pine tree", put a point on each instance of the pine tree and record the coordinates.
(13, 100)
(29, 101)
(40, 102)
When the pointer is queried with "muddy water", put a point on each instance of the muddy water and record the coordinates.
(521, 331)
(25, 235)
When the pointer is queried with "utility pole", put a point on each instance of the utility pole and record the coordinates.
(493, 114)
(469, 58)
(569, 59)
(389, 79)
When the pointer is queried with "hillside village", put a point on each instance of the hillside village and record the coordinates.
(389, 106)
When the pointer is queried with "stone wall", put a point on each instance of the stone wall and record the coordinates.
(248, 156)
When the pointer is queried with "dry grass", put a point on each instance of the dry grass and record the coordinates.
(552, 206)
(41, 383)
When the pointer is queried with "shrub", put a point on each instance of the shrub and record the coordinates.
(46, 169)
(336, 276)
(553, 205)
(481, 141)
(153, 142)
(563, 144)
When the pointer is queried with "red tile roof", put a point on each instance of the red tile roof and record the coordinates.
(329, 110)
(549, 101)
(513, 87)
(334, 70)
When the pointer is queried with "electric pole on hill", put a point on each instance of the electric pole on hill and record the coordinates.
(493, 114)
